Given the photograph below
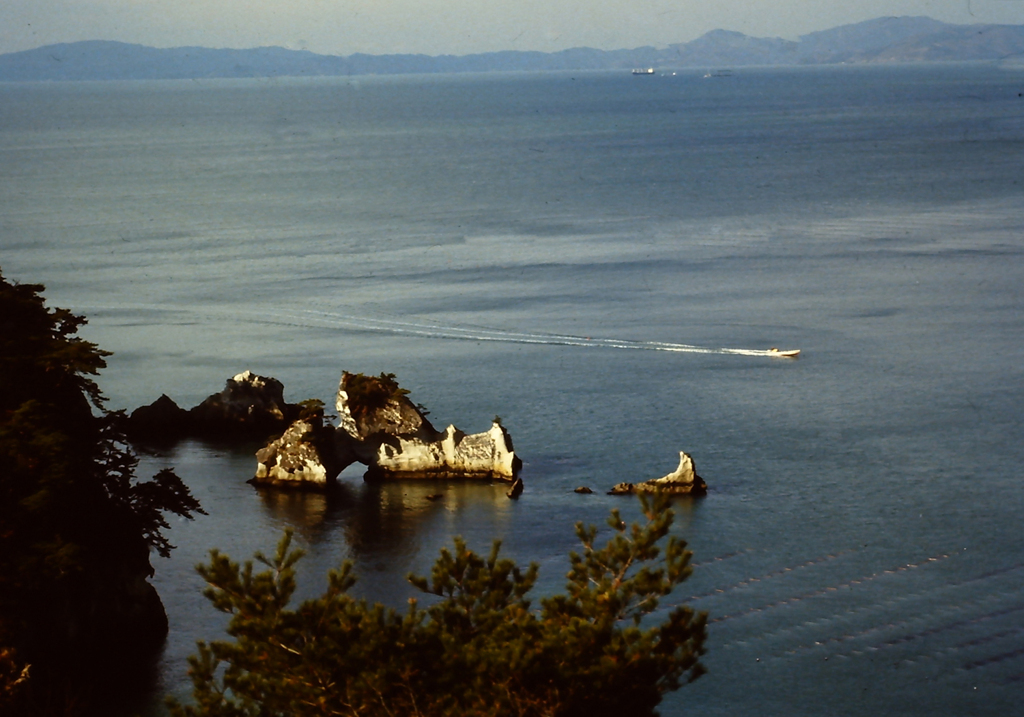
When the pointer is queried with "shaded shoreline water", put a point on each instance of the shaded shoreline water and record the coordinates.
(516, 245)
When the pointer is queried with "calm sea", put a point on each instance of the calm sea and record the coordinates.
(571, 252)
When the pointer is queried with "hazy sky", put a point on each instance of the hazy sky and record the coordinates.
(341, 27)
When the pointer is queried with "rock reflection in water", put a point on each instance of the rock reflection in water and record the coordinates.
(310, 513)
(387, 528)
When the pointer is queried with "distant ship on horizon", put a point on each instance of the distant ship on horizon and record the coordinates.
(643, 71)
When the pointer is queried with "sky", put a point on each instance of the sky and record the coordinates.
(458, 27)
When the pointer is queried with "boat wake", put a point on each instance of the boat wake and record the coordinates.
(333, 320)
(441, 331)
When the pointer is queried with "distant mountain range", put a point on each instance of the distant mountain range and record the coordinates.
(884, 40)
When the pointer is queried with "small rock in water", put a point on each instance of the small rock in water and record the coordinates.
(161, 420)
(435, 496)
(583, 489)
(249, 407)
(517, 489)
(682, 481)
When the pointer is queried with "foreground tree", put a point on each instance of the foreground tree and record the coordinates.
(478, 648)
(75, 527)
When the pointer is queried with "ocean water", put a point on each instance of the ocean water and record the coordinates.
(574, 252)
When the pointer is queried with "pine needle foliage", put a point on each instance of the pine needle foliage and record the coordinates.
(367, 394)
(479, 647)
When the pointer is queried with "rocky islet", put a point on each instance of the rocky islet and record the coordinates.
(378, 426)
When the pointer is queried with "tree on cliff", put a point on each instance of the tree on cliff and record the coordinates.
(75, 527)
(477, 649)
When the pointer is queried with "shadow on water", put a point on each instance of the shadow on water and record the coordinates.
(387, 529)
(310, 513)
(382, 519)
(378, 517)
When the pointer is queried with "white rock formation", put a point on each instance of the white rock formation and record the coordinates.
(484, 455)
(683, 475)
(380, 427)
(295, 459)
(346, 422)
(683, 480)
